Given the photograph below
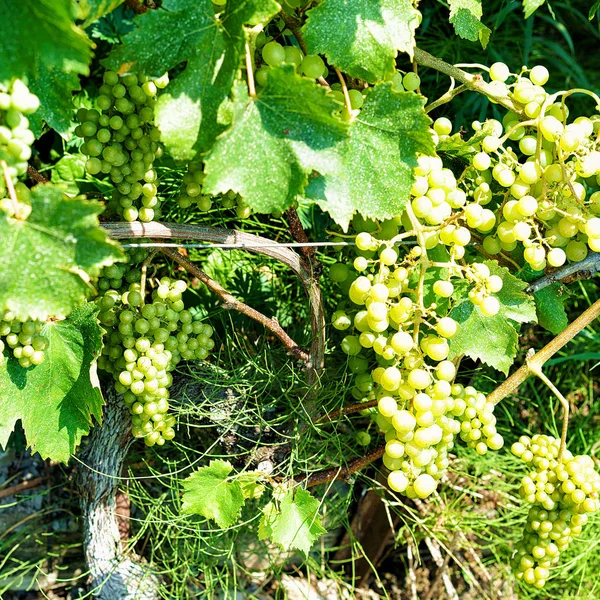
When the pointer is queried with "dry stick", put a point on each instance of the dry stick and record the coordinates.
(473, 82)
(34, 174)
(298, 233)
(232, 303)
(240, 239)
(539, 358)
(344, 471)
(22, 487)
(11, 188)
(347, 410)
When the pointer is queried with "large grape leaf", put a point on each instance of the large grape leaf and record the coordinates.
(465, 16)
(362, 37)
(295, 524)
(493, 340)
(212, 45)
(274, 141)
(41, 32)
(372, 171)
(210, 492)
(56, 400)
(45, 260)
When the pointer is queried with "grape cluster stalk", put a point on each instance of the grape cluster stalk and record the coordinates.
(148, 332)
(121, 141)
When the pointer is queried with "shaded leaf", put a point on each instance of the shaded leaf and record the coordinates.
(56, 400)
(465, 16)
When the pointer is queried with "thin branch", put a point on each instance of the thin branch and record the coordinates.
(299, 234)
(294, 25)
(346, 410)
(473, 82)
(232, 303)
(25, 486)
(241, 239)
(346, 470)
(541, 357)
(445, 98)
(583, 269)
(35, 175)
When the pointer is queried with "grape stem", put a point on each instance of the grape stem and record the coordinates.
(448, 96)
(536, 369)
(11, 188)
(346, 410)
(344, 471)
(345, 92)
(232, 303)
(540, 358)
(250, 72)
(144, 270)
(472, 82)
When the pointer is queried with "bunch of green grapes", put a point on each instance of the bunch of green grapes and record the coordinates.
(399, 329)
(563, 491)
(16, 138)
(191, 193)
(144, 342)
(539, 174)
(122, 142)
(24, 338)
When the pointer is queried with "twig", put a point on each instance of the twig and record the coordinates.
(345, 91)
(232, 303)
(25, 486)
(34, 174)
(294, 25)
(473, 82)
(445, 98)
(347, 410)
(583, 269)
(258, 245)
(345, 471)
(250, 72)
(11, 188)
(539, 358)
(299, 234)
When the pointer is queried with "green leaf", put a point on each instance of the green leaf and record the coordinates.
(549, 304)
(45, 260)
(530, 6)
(465, 16)
(56, 400)
(209, 492)
(372, 172)
(186, 112)
(457, 147)
(92, 10)
(594, 9)
(274, 141)
(41, 36)
(362, 37)
(493, 340)
(249, 482)
(296, 524)
(55, 90)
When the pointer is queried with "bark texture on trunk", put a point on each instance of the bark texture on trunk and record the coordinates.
(115, 572)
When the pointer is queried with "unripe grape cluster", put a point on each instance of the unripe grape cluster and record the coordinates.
(563, 491)
(23, 337)
(538, 172)
(121, 142)
(399, 343)
(191, 194)
(144, 342)
(16, 138)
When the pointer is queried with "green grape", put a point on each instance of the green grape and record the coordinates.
(273, 54)
(313, 66)
(411, 81)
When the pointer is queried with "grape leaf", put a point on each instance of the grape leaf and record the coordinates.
(186, 112)
(55, 90)
(530, 6)
(92, 10)
(41, 36)
(56, 400)
(457, 147)
(274, 141)
(296, 524)
(493, 340)
(465, 16)
(45, 260)
(549, 304)
(362, 37)
(372, 171)
(209, 493)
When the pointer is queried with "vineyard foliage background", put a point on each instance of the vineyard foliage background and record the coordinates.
(263, 425)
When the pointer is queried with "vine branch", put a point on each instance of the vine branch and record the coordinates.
(583, 269)
(232, 303)
(535, 363)
(347, 410)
